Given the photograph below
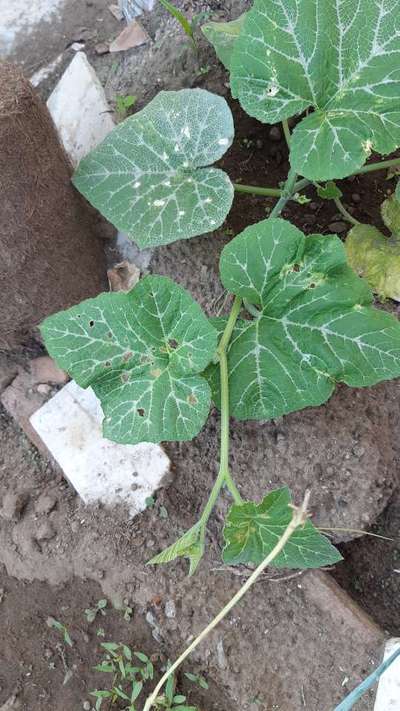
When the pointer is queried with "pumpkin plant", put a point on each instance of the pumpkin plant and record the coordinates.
(301, 319)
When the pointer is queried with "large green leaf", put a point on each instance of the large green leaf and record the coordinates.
(340, 59)
(222, 36)
(376, 258)
(316, 325)
(150, 178)
(252, 531)
(142, 353)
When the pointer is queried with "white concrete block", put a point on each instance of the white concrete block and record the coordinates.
(100, 471)
(79, 109)
(388, 694)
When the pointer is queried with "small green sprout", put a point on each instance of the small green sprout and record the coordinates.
(123, 103)
(197, 679)
(92, 612)
(187, 26)
(56, 625)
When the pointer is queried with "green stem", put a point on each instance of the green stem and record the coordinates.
(287, 193)
(256, 190)
(344, 212)
(224, 476)
(381, 165)
(286, 131)
(298, 519)
(230, 325)
(268, 192)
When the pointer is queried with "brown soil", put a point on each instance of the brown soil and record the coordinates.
(49, 255)
(371, 569)
(44, 672)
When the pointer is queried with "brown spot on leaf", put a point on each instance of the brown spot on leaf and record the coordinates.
(192, 399)
(140, 412)
(127, 355)
(173, 343)
(124, 377)
(156, 372)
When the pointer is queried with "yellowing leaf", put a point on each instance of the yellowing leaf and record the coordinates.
(390, 211)
(376, 258)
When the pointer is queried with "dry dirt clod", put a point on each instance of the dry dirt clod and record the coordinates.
(45, 504)
(45, 532)
(338, 227)
(14, 505)
(102, 48)
(44, 370)
(275, 133)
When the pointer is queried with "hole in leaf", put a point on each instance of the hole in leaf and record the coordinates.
(124, 377)
(173, 343)
(296, 268)
(140, 412)
(107, 364)
(311, 286)
(109, 334)
(91, 323)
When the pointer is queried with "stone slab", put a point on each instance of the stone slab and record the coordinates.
(79, 109)
(388, 694)
(100, 471)
(324, 592)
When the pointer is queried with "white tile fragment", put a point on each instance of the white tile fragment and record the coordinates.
(100, 471)
(388, 693)
(79, 109)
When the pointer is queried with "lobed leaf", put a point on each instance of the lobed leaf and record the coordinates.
(340, 59)
(142, 353)
(150, 176)
(376, 258)
(252, 531)
(222, 36)
(316, 325)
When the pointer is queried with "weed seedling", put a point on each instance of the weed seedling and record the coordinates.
(197, 679)
(123, 104)
(56, 625)
(92, 612)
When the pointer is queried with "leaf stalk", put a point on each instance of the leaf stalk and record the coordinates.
(345, 213)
